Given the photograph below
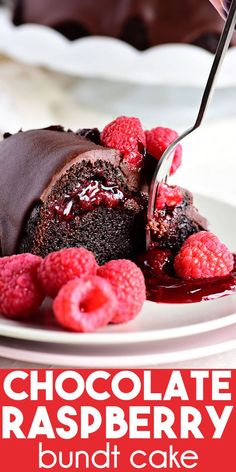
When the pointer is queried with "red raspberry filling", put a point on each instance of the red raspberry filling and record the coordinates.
(87, 196)
(157, 261)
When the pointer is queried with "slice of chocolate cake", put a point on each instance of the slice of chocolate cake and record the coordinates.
(59, 189)
(141, 23)
(64, 189)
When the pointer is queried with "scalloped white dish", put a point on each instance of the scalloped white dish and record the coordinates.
(130, 356)
(174, 64)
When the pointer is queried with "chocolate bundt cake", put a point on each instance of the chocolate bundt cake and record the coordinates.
(141, 23)
(60, 189)
(63, 189)
(172, 225)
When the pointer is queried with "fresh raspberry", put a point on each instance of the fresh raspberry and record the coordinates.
(168, 195)
(157, 141)
(20, 291)
(127, 135)
(84, 305)
(202, 256)
(129, 285)
(60, 267)
(158, 261)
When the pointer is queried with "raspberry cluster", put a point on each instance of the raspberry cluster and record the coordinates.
(85, 296)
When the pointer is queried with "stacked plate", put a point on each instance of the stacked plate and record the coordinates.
(161, 334)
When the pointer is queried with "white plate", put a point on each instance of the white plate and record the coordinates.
(132, 356)
(40, 45)
(156, 321)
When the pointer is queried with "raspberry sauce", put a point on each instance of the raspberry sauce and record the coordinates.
(165, 289)
(86, 197)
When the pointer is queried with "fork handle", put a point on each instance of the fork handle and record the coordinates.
(163, 167)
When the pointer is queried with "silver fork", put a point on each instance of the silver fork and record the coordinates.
(163, 168)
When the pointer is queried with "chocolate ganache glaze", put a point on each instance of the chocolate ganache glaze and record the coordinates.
(142, 23)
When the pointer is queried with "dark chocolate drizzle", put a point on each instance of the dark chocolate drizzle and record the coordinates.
(30, 164)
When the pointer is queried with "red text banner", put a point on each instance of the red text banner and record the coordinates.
(118, 420)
